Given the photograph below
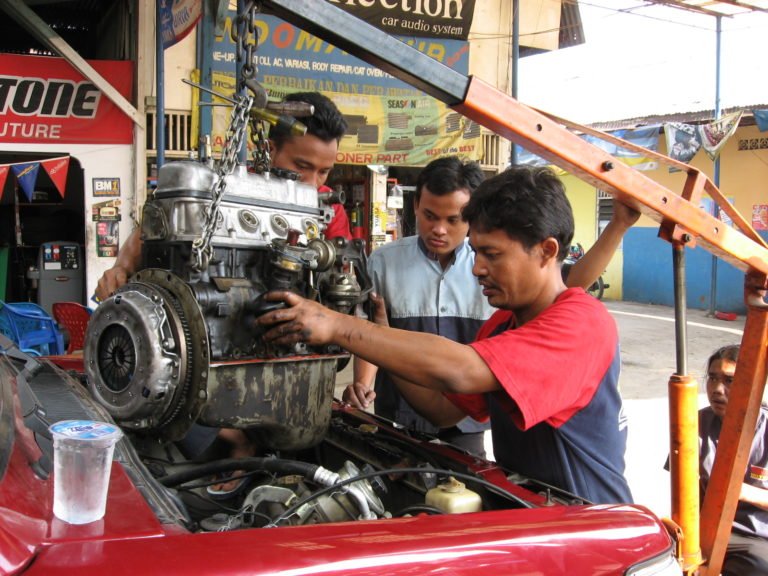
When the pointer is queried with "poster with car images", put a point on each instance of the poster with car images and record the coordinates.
(107, 218)
(760, 216)
(388, 121)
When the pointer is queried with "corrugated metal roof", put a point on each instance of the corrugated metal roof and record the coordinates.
(698, 117)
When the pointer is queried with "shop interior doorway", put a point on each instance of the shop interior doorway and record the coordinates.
(42, 235)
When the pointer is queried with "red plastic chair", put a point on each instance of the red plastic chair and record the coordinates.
(73, 318)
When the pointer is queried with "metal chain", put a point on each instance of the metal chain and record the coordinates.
(242, 32)
(244, 29)
(201, 247)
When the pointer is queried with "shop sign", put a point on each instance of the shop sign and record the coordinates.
(46, 101)
(177, 19)
(389, 122)
(433, 18)
(106, 186)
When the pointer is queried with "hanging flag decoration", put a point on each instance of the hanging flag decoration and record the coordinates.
(761, 119)
(4, 169)
(714, 135)
(645, 136)
(57, 169)
(26, 174)
(177, 19)
(683, 141)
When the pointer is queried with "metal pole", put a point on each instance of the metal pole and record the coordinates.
(242, 30)
(206, 32)
(160, 82)
(716, 175)
(681, 322)
(515, 62)
(683, 436)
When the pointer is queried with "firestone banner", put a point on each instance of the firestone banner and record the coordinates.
(389, 121)
(45, 100)
(432, 18)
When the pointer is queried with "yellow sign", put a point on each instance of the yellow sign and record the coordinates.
(407, 129)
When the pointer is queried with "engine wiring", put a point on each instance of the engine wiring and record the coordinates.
(460, 475)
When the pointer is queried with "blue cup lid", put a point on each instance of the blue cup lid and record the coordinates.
(85, 430)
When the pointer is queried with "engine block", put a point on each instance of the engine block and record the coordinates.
(179, 344)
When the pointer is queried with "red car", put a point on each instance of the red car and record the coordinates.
(291, 522)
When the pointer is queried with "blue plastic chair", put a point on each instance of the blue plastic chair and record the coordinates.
(31, 328)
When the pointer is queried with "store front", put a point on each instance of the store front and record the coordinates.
(66, 175)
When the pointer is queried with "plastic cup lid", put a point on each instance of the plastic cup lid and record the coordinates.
(85, 430)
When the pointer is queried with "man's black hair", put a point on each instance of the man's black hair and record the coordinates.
(326, 123)
(730, 352)
(529, 204)
(446, 175)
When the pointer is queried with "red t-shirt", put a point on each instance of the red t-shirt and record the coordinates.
(550, 367)
(339, 224)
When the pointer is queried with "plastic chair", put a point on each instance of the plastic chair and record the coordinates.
(72, 317)
(31, 328)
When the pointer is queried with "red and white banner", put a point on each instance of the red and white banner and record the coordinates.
(4, 169)
(46, 101)
(57, 169)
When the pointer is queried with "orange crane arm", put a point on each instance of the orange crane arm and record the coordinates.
(682, 222)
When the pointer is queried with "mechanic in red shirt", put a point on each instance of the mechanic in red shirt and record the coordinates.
(312, 156)
(544, 367)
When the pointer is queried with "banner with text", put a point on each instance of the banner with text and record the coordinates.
(177, 19)
(389, 121)
(433, 18)
(45, 100)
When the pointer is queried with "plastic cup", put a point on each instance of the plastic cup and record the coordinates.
(82, 462)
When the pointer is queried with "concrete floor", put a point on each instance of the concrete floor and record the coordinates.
(647, 339)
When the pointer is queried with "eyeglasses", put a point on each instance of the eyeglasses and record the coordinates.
(723, 378)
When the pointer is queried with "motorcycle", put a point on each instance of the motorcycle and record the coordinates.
(575, 253)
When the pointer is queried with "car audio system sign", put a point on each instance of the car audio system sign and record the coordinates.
(433, 18)
(45, 100)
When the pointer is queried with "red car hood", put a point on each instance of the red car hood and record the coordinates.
(130, 540)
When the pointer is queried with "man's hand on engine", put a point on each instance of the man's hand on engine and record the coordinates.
(110, 281)
(301, 321)
(359, 395)
(126, 263)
